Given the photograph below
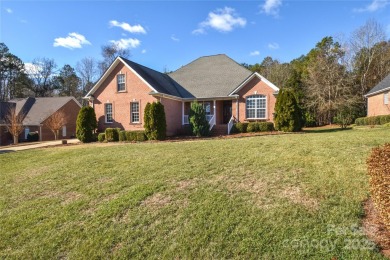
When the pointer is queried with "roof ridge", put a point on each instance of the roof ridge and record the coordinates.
(196, 60)
(127, 60)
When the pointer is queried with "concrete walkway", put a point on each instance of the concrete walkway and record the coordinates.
(33, 145)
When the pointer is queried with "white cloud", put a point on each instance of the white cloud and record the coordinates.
(222, 20)
(254, 53)
(72, 41)
(127, 43)
(174, 38)
(374, 6)
(143, 51)
(127, 27)
(271, 7)
(273, 46)
(9, 10)
(32, 69)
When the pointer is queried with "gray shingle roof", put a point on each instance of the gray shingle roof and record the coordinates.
(43, 107)
(159, 81)
(382, 86)
(211, 76)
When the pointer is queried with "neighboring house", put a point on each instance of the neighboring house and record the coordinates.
(378, 99)
(36, 112)
(228, 91)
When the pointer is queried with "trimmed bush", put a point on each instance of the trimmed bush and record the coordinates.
(288, 114)
(154, 121)
(33, 137)
(198, 122)
(373, 120)
(101, 137)
(136, 136)
(253, 127)
(379, 172)
(86, 124)
(240, 127)
(112, 134)
(266, 126)
(122, 136)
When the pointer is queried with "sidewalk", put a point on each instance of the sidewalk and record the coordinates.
(27, 146)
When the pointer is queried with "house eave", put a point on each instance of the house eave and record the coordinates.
(377, 92)
(255, 74)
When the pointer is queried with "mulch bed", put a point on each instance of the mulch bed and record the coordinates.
(375, 229)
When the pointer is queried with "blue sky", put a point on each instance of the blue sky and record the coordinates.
(169, 34)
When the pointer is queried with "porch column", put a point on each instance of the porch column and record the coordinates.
(215, 111)
(40, 133)
(182, 113)
(237, 114)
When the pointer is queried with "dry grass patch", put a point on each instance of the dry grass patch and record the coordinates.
(297, 196)
(157, 200)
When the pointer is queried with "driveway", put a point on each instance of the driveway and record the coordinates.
(27, 146)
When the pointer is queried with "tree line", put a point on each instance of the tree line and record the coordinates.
(330, 81)
(43, 78)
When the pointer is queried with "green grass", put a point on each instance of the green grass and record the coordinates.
(272, 197)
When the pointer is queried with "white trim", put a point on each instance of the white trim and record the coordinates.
(266, 108)
(64, 131)
(182, 113)
(377, 92)
(105, 113)
(108, 72)
(386, 98)
(255, 74)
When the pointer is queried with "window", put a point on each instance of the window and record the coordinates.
(134, 112)
(108, 112)
(386, 98)
(121, 82)
(256, 107)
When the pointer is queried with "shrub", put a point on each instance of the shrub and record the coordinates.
(140, 136)
(379, 172)
(33, 137)
(154, 121)
(198, 122)
(86, 124)
(240, 127)
(112, 134)
(344, 117)
(266, 126)
(359, 121)
(101, 137)
(385, 119)
(309, 119)
(253, 127)
(122, 136)
(288, 114)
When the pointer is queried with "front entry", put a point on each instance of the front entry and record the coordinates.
(227, 111)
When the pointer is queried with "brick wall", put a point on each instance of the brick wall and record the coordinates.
(136, 91)
(376, 105)
(251, 88)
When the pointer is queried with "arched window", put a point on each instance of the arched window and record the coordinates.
(256, 107)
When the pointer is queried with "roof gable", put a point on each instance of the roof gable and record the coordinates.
(382, 86)
(158, 82)
(211, 76)
(266, 81)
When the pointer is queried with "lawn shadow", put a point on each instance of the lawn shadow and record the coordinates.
(6, 151)
(325, 130)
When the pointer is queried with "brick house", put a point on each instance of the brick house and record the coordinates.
(378, 98)
(228, 91)
(36, 112)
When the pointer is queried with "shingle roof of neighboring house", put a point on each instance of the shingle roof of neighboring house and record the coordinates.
(44, 107)
(381, 87)
(211, 76)
(159, 81)
(4, 108)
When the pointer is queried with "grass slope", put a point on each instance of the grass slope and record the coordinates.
(281, 197)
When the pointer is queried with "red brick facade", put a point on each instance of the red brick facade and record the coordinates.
(376, 105)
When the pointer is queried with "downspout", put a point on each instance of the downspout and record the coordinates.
(40, 133)
(238, 115)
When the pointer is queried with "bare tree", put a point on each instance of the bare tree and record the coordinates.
(55, 122)
(41, 73)
(14, 123)
(87, 70)
(110, 52)
(362, 42)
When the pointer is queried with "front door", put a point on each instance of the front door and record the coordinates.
(227, 111)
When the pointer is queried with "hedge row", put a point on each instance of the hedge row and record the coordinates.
(373, 120)
(253, 127)
(379, 171)
(116, 134)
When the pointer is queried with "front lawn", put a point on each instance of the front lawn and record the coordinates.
(289, 196)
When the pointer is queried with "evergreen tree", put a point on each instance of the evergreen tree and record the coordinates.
(198, 122)
(288, 115)
(86, 124)
(154, 121)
